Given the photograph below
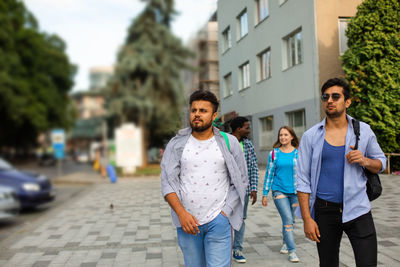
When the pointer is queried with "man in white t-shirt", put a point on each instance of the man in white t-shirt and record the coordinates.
(204, 180)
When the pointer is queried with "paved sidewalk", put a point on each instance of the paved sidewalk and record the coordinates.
(129, 224)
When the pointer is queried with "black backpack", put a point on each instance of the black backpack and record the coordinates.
(374, 186)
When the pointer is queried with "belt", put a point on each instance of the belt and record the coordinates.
(328, 203)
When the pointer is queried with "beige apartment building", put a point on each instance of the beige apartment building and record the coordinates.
(274, 55)
(89, 104)
(99, 76)
(90, 107)
(205, 63)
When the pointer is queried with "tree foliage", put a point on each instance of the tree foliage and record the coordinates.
(35, 77)
(146, 88)
(372, 66)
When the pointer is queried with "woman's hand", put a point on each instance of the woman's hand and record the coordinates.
(264, 201)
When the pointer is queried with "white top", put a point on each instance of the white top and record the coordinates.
(204, 179)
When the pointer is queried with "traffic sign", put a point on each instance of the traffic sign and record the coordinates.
(58, 140)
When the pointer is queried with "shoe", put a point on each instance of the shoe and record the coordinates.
(284, 249)
(293, 257)
(238, 256)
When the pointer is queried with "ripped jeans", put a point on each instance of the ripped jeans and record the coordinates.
(286, 205)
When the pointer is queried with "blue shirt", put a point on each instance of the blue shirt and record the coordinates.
(284, 181)
(355, 199)
(330, 184)
(271, 173)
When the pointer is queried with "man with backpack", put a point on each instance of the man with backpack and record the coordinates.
(205, 183)
(331, 184)
(240, 127)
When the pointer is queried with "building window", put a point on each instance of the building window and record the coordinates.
(226, 39)
(242, 24)
(262, 9)
(227, 85)
(297, 120)
(293, 45)
(264, 62)
(342, 27)
(267, 132)
(244, 77)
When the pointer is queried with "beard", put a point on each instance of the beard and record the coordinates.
(335, 114)
(201, 128)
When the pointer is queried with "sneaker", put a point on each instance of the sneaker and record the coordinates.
(284, 249)
(238, 257)
(293, 257)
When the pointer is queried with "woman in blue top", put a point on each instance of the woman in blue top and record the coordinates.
(280, 176)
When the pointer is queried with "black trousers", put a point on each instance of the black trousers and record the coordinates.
(360, 231)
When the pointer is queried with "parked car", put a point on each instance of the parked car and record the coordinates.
(47, 159)
(45, 156)
(31, 189)
(9, 204)
(82, 157)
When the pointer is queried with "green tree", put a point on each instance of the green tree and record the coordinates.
(146, 88)
(372, 66)
(35, 78)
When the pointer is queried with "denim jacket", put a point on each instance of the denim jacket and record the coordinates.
(235, 163)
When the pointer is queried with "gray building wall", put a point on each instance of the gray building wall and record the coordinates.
(279, 114)
(286, 90)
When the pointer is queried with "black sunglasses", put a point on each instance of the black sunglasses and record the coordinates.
(335, 97)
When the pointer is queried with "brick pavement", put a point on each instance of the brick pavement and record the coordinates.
(136, 230)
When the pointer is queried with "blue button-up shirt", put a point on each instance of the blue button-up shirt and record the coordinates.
(355, 199)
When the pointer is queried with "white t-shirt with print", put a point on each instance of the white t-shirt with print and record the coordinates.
(204, 179)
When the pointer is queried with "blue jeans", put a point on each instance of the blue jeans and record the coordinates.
(211, 247)
(286, 205)
(239, 235)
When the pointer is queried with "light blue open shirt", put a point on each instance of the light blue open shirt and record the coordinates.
(355, 199)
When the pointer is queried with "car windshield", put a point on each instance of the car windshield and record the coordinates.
(4, 165)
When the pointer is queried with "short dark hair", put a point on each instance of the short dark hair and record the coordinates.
(338, 82)
(205, 96)
(238, 122)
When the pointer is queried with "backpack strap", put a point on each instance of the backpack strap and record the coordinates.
(241, 145)
(273, 154)
(356, 128)
(226, 139)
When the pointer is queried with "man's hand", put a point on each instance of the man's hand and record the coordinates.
(188, 222)
(264, 201)
(355, 156)
(311, 229)
(310, 226)
(253, 196)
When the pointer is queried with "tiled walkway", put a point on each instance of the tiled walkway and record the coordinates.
(129, 224)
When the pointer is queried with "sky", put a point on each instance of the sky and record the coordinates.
(94, 29)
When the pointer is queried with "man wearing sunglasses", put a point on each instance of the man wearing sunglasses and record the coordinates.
(331, 184)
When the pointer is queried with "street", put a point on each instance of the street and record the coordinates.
(129, 224)
(68, 166)
(14, 228)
